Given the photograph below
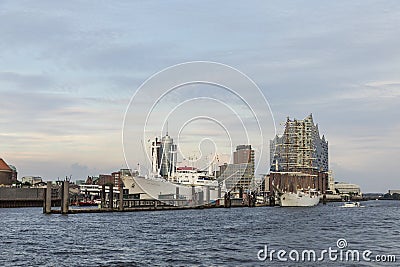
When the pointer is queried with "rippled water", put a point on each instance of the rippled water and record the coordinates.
(212, 237)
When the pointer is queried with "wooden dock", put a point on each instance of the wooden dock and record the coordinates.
(155, 208)
(132, 205)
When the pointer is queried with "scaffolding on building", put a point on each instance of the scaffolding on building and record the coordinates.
(295, 166)
(297, 150)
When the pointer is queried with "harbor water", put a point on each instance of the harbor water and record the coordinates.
(209, 237)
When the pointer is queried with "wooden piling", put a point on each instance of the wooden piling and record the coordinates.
(64, 197)
(177, 196)
(44, 202)
(193, 196)
(47, 199)
(227, 200)
(271, 201)
(103, 196)
(208, 195)
(121, 196)
(201, 198)
(111, 197)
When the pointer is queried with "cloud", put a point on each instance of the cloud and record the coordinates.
(27, 82)
(24, 28)
(376, 89)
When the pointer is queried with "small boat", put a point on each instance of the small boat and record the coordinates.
(351, 205)
(84, 203)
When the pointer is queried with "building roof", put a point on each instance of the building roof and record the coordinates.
(4, 166)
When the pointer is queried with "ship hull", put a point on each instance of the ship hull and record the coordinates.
(298, 200)
(161, 189)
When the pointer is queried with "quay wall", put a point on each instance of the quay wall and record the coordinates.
(22, 197)
(21, 193)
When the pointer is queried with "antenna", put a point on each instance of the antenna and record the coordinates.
(167, 129)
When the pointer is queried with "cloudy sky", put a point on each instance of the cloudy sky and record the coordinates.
(69, 69)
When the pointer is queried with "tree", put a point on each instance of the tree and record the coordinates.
(26, 184)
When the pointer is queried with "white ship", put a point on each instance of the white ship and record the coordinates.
(179, 186)
(173, 193)
(301, 198)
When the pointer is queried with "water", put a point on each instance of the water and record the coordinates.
(212, 237)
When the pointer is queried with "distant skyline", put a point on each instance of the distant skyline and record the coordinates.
(69, 69)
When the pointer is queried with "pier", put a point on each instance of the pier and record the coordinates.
(112, 204)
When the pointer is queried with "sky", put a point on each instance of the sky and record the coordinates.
(68, 71)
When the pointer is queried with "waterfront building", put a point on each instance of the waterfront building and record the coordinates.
(14, 175)
(331, 181)
(5, 173)
(240, 174)
(243, 154)
(94, 191)
(105, 179)
(117, 176)
(8, 173)
(264, 184)
(164, 156)
(347, 189)
(90, 179)
(93, 185)
(299, 158)
(33, 180)
(108, 179)
(300, 147)
(391, 192)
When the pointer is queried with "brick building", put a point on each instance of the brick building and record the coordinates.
(8, 174)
